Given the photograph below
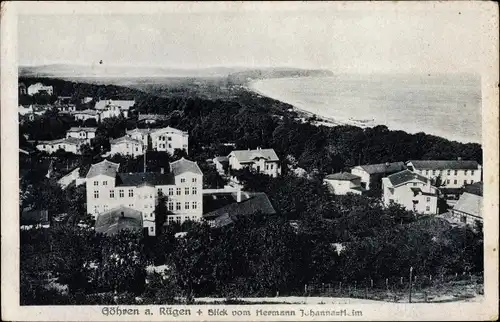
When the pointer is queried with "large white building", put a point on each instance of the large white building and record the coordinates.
(264, 161)
(83, 133)
(127, 145)
(85, 115)
(168, 139)
(452, 173)
(343, 183)
(108, 189)
(113, 108)
(39, 87)
(71, 144)
(411, 190)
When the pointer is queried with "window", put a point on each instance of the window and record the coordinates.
(267, 166)
(151, 229)
(122, 193)
(195, 205)
(448, 172)
(96, 194)
(170, 219)
(456, 172)
(96, 183)
(169, 138)
(194, 190)
(178, 191)
(170, 206)
(427, 208)
(170, 145)
(428, 199)
(454, 181)
(130, 192)
(178, 219)
(414, 184)
(105, 207)
(463, 219)
(111, 193)
(160, 190)
(465, 172)
(193, 180)
(465, 182)
(178, 206)
(104, 183)
(96, 208)
(272, 166)
(131, 205)
(183, 180)
(471, 172)
(186, 190)
(186, 205)
(448, 181)
(426, 171)
(433, 172)
(170, 191)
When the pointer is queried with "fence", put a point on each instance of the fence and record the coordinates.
(424, 288)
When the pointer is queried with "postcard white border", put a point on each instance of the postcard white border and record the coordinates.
(486, 310)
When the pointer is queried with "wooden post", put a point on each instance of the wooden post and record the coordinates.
(411, 272)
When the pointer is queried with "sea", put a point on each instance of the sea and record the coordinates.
(443, 105)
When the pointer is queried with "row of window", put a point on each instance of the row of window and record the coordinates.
(269, 166)
(178, 219)
(183, 180)
(178, 205)
(448, 172)
(456, 181)
(178, 191)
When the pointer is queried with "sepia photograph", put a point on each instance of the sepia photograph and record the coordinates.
(297, 161)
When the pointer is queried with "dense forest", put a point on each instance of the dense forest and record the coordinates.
(257, 255)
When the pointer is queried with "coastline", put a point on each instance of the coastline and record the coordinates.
(331, 121)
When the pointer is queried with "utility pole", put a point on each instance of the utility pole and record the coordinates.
(411, 273)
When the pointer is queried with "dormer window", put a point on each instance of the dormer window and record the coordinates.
(183, 180)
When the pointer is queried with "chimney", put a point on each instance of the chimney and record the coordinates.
(238, 195)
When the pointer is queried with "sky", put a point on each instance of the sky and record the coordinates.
(335, 37)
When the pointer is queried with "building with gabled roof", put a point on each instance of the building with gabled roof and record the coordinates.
(70, 144)
(113, 108)
(468, 209)
(451, 173)
(168, 139)
(343, 183)
(264, 161)
(182, 187)
(372, 173)
(151, 118)
(40, 88)
(410, 190)
(84, 115)
(83, 133)
(127, 145)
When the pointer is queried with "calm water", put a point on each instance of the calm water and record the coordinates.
(445, 105)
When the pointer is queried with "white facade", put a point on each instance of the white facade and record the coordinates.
(453, 174)
(114, 108)
(168, 139)
(36, 88)
(363, 176)
(108, 189)
(85, 115)
(139, 134)
(22, 110)
(127, 146)
(343, 183)
(83, 133)
(69, 145)
(410, 190)
(370, 173)
(263, 161)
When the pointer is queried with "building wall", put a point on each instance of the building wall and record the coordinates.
(270, 168)
(453, 178)
(365, 176)
(35, 88)
(81, 135)
(169, 141)
(404, 196)
(102, 195)
(84, 117)
(127, 148)
(140, 136)
(464, 218)
(342, 187)
(51, 148)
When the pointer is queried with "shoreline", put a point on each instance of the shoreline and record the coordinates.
(331, 121)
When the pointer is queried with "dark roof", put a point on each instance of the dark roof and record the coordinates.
(183, 165)
(250, 155)
(118, 219)
(475, 188)
(470, 204)
(405, 176)
(229, 211)
(444, 164)
(138, 178)
(383, 167)
(124, 139)
(345, 176)
(104, 167)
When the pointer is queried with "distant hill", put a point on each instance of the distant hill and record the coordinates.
(254, 74)
(237, 74)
